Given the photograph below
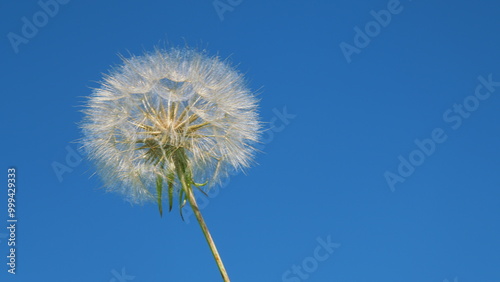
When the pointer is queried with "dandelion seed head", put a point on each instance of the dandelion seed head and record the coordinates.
(157, 104)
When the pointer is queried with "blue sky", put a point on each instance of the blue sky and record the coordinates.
(342, 191)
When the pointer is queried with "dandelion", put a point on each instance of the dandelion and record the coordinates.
(171, 122)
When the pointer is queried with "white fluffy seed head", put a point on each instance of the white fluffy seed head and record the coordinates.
(157, 103)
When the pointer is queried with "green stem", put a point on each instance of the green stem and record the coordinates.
(204, 228)
(186, 180)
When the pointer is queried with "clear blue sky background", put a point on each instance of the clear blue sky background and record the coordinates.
(321, 175)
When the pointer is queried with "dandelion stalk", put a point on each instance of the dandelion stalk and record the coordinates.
(208, 237)
(174, 120)
(185, 176)
(187, 182)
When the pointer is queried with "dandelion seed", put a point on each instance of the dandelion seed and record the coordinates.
(176, 117)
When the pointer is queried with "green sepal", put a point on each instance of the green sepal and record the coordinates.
(170, 181)
(159, 190)
(201, 190)
(182, 202)
(199, 184)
